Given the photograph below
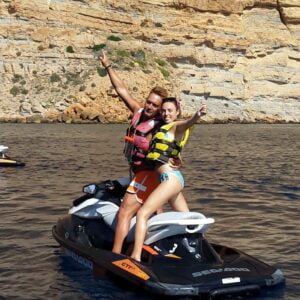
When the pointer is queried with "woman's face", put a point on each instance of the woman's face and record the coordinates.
(169, 112)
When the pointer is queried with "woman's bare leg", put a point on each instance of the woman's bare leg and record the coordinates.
(127, 210)
(165, 191)
(179, 203)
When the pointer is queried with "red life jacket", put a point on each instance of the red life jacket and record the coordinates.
(136, 142)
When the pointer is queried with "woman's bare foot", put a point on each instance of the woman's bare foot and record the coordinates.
(138, 259)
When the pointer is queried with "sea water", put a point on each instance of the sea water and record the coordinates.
(247, 177)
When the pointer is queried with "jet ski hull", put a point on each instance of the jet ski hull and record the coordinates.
(7, 162)
(184, 265)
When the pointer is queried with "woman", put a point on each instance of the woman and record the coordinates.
(166, 146)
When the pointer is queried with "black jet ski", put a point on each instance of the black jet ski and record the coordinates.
(177, 258)
(6, 161)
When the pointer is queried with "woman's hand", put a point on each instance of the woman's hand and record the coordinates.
(182, 126)
(175, 162)
(104, 59)
(202, 111)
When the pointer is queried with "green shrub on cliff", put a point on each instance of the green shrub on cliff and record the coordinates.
(16, 78)
(160, 62)
(114, 38)
(141, 63)
(139, 54)
(73, 78)
(101, 72)
(122, 53)
(98, 47)
(70, 49)
(54, 78)
(165, 72)
(14, 90)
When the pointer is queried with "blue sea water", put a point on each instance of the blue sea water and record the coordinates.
(247, 177)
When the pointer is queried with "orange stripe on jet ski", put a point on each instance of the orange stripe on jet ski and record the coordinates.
(130, 267)
(150, 250)
(173, 256)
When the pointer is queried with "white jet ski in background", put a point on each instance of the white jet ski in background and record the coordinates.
(6, 161)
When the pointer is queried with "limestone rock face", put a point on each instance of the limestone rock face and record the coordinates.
(241, 58)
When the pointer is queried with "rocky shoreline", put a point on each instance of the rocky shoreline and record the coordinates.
(241, 58)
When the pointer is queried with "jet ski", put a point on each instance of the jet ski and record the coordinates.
(6, 161)
(177, 258)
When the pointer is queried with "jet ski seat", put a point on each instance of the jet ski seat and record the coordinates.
(3, 149)
(174, 223)
(162, 225)
(159, 226)
(94, 208)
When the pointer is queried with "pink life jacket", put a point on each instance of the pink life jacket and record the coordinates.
(136, 142)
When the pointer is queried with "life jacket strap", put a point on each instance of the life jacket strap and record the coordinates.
(172, 145)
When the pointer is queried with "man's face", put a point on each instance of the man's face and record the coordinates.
(152, 105)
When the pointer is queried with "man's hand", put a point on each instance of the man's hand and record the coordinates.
(118, 84)
(175, 162)
(104, 59)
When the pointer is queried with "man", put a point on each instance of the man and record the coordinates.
(144, 124)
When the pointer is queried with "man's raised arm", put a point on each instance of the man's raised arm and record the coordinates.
(119, 85)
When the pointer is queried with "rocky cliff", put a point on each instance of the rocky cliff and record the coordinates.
(240, 57)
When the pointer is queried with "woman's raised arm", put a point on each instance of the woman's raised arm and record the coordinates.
(182, 126)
